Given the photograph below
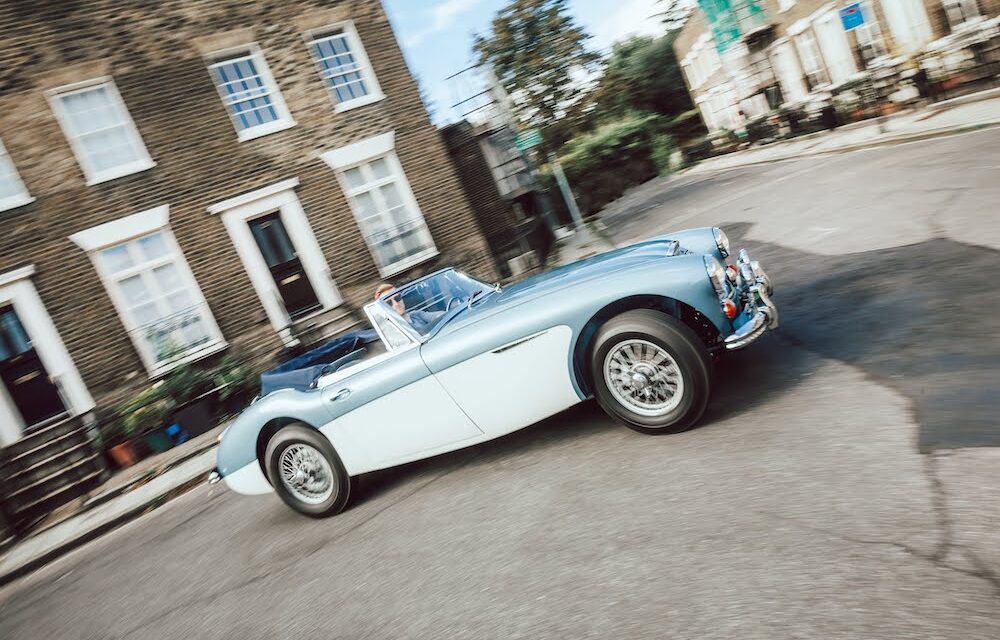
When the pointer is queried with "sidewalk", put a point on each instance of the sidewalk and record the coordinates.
(124, 497)
(967, 113)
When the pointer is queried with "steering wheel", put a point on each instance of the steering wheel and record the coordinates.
(453, 303)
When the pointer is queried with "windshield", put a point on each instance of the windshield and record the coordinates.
(427, 302)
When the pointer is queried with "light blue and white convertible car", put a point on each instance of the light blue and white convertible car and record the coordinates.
(453, 362)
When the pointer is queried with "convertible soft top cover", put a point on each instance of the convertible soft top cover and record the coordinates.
(299, 372)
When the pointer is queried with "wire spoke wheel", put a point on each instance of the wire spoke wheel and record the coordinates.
(643, 377)
(306, 473)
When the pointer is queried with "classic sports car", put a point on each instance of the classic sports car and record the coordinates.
(453, 362)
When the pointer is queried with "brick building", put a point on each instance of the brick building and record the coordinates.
(186, 178)
(753, 56)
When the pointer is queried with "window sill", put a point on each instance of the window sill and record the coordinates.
(372, 98)
(120, 172)
(14, 202)
(158, 371)
(403, 265)
(264, 130)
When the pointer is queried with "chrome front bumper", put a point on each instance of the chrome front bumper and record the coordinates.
(752, 278)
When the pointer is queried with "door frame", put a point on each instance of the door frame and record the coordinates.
(280, 197)
(18, 290)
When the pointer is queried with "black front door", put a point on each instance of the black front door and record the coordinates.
(293, 285)
(23, 374)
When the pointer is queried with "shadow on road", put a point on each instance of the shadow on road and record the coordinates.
(922, 318)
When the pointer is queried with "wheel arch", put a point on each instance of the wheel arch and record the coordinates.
(270, 429)
(695, 320)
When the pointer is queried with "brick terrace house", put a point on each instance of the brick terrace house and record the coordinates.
(185, 178)
(756, 55)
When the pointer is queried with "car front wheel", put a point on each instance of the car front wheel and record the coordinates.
(306, 471)
(651, 372)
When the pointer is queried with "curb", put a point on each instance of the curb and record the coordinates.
(885, 142)
(106, 527)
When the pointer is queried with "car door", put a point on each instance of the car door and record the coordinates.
(392, 409)
(508, 374)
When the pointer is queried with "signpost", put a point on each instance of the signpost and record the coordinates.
(852, 17)
(527, 139)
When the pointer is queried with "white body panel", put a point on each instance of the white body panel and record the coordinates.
(515, 385)
(417, 421)
(249, 480)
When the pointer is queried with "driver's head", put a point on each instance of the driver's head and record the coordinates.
(396, 301)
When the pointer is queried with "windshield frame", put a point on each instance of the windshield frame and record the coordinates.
(397, 320)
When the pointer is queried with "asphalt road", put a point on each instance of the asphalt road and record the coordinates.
(800, 508)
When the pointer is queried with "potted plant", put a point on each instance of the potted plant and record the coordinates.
(122, 451)
(192, 391)
(145, 415)
(236, 383)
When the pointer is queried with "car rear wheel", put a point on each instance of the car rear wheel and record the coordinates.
(651, 372)
(306, 471)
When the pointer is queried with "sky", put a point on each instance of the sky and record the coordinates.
(436, 35)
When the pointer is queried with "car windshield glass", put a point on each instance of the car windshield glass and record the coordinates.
(425, 303)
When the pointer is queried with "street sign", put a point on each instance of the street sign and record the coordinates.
(851, 16)
(528, 139)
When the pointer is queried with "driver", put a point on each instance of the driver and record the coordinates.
(422, 321)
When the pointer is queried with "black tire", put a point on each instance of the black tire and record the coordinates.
(296, 433)
(680, 343)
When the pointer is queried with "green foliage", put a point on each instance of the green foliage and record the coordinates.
(533, 47)
(234, 378)
(642, 74)
(602, 164)
(148, 409)
(186, 383)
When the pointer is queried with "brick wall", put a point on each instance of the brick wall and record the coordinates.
(154, 52)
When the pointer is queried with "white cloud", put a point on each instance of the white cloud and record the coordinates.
(440, 16)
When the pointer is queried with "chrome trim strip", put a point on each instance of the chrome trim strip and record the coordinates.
(519, 342)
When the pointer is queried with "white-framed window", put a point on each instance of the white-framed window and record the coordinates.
(103, 137)
(869, 35)
(960, 11)
(908, 23)
(249, 92)
(392, 224)
(153, 290)
(12, 191)
(344, 66)
(812, 61)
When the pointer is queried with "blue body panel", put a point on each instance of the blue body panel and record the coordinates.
(570, 295)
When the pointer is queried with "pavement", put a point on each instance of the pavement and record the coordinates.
(819, 497)
(968, 113)
(125, 496)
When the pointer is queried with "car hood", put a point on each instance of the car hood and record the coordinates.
(574, 273)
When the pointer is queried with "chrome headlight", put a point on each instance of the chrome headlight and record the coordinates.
(721, 241)
(716, 274)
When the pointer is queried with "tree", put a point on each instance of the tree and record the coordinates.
(675, 13)
(540, 57)
(642, 74)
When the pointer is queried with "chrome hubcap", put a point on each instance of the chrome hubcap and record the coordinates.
(306, 473)
(643, 378)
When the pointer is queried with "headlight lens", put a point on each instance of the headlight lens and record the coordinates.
(721, 241)
(716, 274)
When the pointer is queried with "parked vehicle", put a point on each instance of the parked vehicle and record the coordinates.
(454, 362)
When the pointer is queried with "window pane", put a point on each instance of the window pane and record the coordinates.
(10, 184)
(109, 148)
(380, 168)
(353, 177)
(245, 92)
(168, 278)
(339, 67)
(145, 314)
(366, 205)
(391, 195)
(116, 258)
(154, 246)
(135, 291)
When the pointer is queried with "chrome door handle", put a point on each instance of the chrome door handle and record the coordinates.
(343, 394)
